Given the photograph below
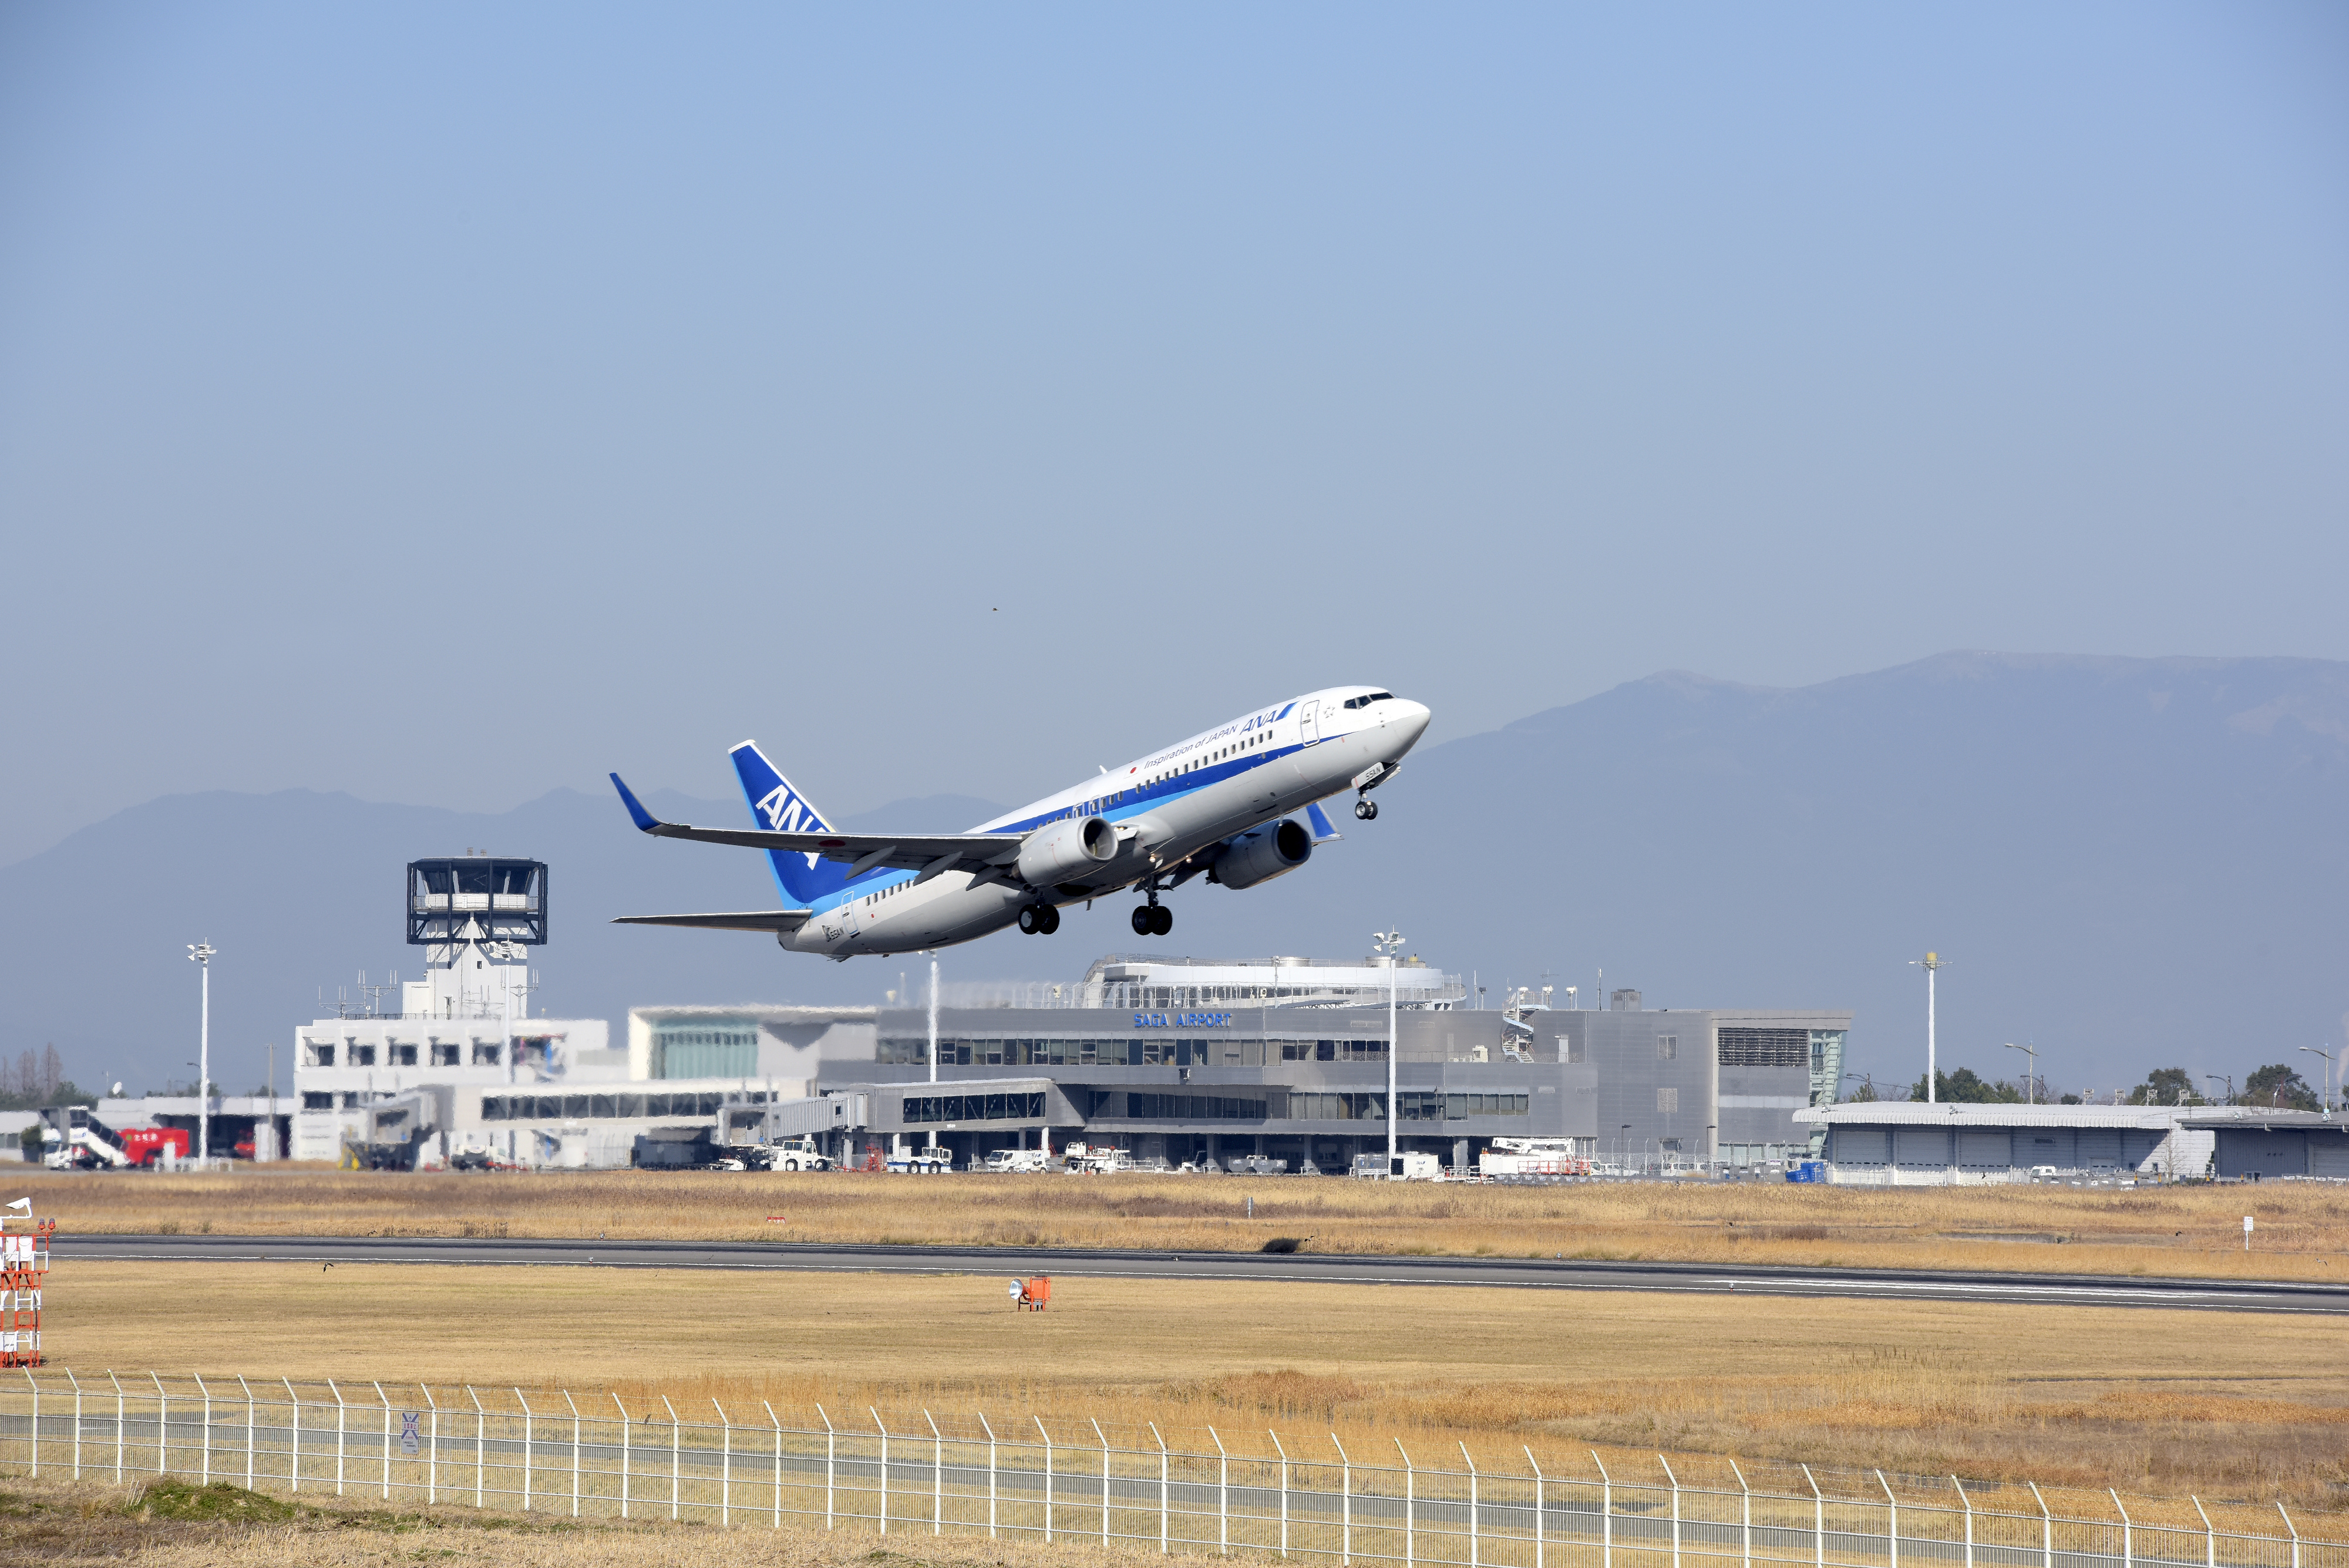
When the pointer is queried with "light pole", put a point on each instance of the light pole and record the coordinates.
(1389, 943)
(202, 954)
(2031, 1051)
(2326, 1103)
(934, 1021)
(2226, 1079)
(1929, 963)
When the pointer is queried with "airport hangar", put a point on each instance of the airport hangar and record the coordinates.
(1908, 1143)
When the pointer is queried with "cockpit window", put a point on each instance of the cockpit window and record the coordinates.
(1365, 701)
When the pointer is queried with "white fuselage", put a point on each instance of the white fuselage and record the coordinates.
(1164, 807)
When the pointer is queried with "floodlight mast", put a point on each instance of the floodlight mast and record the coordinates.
(1929, 963)
(1389, 943)
(201, 953)
(2324, 1104)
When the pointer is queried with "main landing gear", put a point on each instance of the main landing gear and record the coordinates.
(1154, 918)
(1366, 808)
(1039, 921)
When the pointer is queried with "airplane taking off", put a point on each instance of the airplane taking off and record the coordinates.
(1216, 804)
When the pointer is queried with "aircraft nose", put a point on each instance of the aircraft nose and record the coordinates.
(1412, 720)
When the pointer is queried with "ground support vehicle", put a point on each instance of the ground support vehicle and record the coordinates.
(794, 1154)
(1407, 1166)
(930, 1161)
(1020, 1160)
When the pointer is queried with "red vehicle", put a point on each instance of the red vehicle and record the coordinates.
(145, 1145)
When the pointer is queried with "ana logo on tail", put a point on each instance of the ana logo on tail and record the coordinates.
(784, 812)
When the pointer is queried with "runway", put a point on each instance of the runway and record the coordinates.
(1561, 1274)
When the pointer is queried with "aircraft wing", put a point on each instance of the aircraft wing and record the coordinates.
(782, 922)
(928, 853)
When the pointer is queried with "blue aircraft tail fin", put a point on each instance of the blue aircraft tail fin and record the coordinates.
(777, 807)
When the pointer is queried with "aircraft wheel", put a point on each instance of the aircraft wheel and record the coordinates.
(1028, 921)
(1366, 809)
(1048, 919)
(1141, 920)
(1162, 919)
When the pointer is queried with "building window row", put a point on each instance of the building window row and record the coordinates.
(401, 1054)
(1334, 1050)
(585, 1108)
(1027, 1107)
(1053, 1053)
(1193, 1109)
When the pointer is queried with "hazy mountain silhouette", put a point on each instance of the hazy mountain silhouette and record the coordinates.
(2133, 862)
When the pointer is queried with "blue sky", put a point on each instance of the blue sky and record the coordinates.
(443, 403)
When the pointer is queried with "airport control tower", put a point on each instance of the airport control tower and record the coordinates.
(473, 916)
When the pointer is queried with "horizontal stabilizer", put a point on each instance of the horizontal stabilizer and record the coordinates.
(780, 921)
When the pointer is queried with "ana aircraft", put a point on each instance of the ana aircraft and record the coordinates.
(1215, 805)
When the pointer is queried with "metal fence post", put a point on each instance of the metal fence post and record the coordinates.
(1409, 1505)
(1473, 1510)
(1284, 1490)
(163, 1424)
(883, 1428)
(2288, 1524)
(36, 1424)
(626, 1461)
(527, 1455)
(725, 1462)
(294, 1423)
(1676, 1509)
(201, 1388)
(1161, 1486)
(386, 1403)
(1048, 1478)
(1537, 1506)
(2047, 1530)
(1223, 1496)
(1346, 1500)
(341, 1425)
(2129, 1553)
(1892, 1532)
(776, 1421)
(2210, 1536)
(1744, 1516)
(1605, 1513)
(249, 1443)
(988, 1426)
(1818, 1522)
(119, 1417)
(674, 1454)
(77, 1433)
(831, 1442)
(432, 1449)
(1969, 1505)
(574, 1453)
(1102, 1439)
(938, 1476)
(480, 1443)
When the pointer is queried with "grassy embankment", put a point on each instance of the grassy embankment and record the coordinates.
(2303, 1228)
(2246, 1406)
(175, 1524)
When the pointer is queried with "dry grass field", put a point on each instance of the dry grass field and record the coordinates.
(2159, 1403)
(2303, 1228)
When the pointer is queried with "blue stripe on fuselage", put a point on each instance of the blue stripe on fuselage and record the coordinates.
(1145, 797)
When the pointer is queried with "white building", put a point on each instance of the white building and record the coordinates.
(1908, 1143)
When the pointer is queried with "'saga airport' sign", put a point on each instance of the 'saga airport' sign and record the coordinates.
(1182, 1021)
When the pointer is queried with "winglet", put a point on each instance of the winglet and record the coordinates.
(644, 820)
(1323, 832)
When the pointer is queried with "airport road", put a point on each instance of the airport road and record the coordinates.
(1881, 1284)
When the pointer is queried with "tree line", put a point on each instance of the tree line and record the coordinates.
(2276, 1087)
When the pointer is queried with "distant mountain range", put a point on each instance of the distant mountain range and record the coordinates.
(2130, 863)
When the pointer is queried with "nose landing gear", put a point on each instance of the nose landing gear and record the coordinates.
(1366, 808)
(1039, 921)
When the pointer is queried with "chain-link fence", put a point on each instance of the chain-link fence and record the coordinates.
(596, 1457)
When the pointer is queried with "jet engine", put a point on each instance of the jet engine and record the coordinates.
(1068, 850)
(1261, 854)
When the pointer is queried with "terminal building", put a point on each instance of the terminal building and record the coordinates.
(1188, 1062)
